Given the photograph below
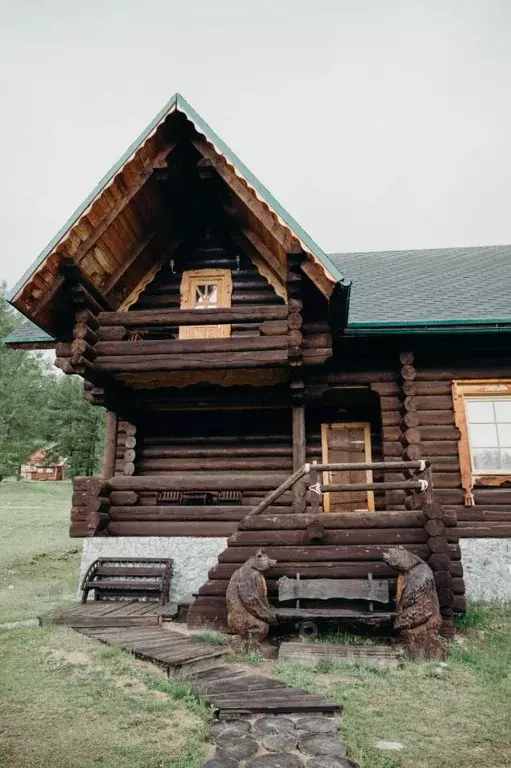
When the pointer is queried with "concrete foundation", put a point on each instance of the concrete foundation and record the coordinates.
(487, 569)
(193, 557)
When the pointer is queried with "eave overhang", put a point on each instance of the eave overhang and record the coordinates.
(42, 281)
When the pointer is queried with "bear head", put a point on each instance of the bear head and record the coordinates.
(260, 562)
(400, 559)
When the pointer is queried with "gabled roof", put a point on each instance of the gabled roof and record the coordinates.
(127, 177)
(442, 289)
(437, 288)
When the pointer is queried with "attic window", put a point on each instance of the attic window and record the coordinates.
(205, 289)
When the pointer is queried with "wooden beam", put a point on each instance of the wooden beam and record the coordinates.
(132, 257)
(155, 163)
(251, 314)
(280, 232)
(312, 271)
(73, 273)
(90, 241)
(249, 240)
(110, 445)
(148, 278)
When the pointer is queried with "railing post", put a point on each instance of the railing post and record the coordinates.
(299, 489)
(314, 495)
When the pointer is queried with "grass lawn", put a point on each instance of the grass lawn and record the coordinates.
(39, 563)
(68, 702)
(444, 716)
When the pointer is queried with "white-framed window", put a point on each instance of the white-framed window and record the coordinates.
(489, 430)
(482, 411)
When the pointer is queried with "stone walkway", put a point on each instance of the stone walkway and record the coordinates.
(293, 741)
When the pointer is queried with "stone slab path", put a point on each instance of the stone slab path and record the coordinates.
(279, 742)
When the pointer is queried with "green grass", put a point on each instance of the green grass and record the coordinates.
(246, 658)
(212, 638)
(443, 715)
(69, 701)
(66, 700)
(38, 561)
(341, 637)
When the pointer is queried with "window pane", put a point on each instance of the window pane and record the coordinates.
(503, 410)
(206, 295)
(504, 434)
(483, 435)
(505, 458)
(479, 411)
(485, 459)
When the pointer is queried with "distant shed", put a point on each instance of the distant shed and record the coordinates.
(43, 465)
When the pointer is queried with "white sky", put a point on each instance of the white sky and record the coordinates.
(379, 124)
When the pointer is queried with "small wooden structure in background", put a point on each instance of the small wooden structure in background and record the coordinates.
(43, 465)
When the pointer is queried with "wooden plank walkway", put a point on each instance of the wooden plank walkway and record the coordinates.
(104, 613)
(230, 690)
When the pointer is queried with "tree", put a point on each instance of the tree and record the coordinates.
(73, 427)
(22, 397)
(40, 407)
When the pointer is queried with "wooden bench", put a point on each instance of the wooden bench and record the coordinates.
(128, 577)
(367, 590)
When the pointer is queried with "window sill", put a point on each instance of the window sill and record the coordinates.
(491, 481)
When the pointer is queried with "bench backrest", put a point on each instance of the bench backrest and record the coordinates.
(331, 589)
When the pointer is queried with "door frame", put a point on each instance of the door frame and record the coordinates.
(367, 452)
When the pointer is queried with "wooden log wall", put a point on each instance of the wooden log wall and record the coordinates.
(248, 285)
(490, 517)
(90, 507)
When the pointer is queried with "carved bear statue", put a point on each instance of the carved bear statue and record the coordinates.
(418, 613)
(249, 612)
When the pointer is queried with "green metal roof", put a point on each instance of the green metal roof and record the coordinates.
(179, 103)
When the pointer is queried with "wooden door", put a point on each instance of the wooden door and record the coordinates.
(347, 443)
(205, 289)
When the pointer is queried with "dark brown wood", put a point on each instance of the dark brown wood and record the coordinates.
(124, 498)
(189, 317)
(87, 318)
(112, 333)
(435, 527)
(299, 440)
(84, 332)
(190, 482)
(199, 361)
(110, 445)
(182, 346)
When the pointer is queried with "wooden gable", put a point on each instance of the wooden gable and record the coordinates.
(146, 208)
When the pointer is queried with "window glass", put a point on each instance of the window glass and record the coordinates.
(489, 427)
(206, 295)
(503, 410)
(479, 411)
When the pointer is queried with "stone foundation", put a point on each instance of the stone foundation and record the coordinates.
(487, 569)
(193, 557)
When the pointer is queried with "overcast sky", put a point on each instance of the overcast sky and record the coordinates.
(379, 124)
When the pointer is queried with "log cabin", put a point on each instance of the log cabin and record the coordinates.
(43, 464)
(352, 401)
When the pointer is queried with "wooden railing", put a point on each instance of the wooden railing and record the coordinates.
(422, 484)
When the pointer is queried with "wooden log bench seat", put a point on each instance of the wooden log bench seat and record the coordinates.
(307, 592)
(132, 578)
